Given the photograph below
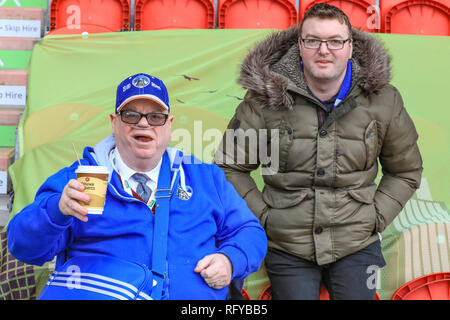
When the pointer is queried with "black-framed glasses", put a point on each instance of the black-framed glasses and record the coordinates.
(333, 44)
(153, 118)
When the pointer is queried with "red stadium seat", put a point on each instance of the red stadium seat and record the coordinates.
(84, 28)
(245, 294)
(174, 14)
(435, 286)
(363, 14)
(257, 14)
(92, 16)
(421, 17)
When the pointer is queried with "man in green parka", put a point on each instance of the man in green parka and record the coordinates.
(318, 96)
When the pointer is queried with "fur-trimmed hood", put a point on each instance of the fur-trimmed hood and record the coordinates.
(273, 67)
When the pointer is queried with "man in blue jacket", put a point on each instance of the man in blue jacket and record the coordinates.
(172, 227)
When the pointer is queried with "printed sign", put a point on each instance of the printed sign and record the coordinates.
(4, 182)
(13, 95)
(20, 28)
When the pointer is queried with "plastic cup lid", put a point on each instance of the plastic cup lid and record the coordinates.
(92, 169)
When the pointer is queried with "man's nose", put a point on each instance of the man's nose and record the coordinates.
(143, 122)
(323, 48)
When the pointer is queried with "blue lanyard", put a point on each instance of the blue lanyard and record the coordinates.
(161, 226)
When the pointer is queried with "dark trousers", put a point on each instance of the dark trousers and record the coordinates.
(234, 290)
(353, 277)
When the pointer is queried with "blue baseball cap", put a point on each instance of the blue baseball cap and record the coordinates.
(142, 86)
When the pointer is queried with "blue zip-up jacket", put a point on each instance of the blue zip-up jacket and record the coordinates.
(215, 219)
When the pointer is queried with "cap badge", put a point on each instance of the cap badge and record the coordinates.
(184, 195)
(141, 81)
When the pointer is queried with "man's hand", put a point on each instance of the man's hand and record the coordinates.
(216, 270)
(68, 204)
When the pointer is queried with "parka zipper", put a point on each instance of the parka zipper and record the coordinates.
(317, 103)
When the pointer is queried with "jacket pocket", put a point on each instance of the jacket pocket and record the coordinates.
(371, 143)
(364, 194)
(281, 199)
(279, 143)
(99, 277)
(365, 215)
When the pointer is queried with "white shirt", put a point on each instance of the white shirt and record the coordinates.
(126, 172)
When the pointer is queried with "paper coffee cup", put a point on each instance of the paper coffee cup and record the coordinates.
(95, 181)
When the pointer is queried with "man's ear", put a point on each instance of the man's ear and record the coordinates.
(113, 119)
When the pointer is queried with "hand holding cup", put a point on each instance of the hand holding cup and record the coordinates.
(86, 195)
(72, 195)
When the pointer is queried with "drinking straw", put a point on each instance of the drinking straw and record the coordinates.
(76, 153)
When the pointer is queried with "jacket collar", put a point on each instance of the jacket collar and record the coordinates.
(272, 68)
(99, 155)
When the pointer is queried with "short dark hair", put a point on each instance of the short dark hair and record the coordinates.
(326, 11)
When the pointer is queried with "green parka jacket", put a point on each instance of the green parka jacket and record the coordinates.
(320, 201)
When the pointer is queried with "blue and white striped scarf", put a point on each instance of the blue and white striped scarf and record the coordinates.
(346, 84)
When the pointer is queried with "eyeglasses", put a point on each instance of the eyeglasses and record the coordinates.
(153, 118)
(334, 44)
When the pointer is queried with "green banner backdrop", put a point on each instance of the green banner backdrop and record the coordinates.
(71, 91)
